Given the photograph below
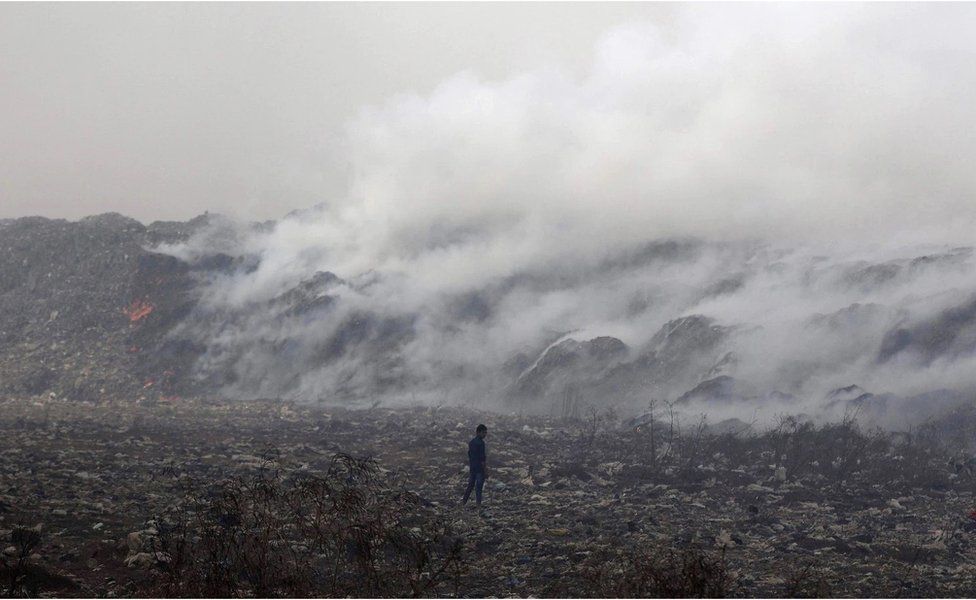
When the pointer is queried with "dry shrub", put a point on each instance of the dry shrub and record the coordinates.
(653, 573)
(806, 582)
(844, 452)
(20, 575)
(659, 449)
(15, 569)
(297, 534)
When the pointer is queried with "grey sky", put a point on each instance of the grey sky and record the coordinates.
(162, 111)
(416, 120)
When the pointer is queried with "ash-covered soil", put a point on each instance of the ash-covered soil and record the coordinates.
(571, 505)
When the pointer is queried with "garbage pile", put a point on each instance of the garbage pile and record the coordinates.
(106, 308)
(83, 303)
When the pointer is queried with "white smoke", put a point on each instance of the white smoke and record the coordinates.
(779, 147)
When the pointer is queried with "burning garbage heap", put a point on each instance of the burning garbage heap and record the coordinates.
(85, 306)
(107, 307)
(88, 311)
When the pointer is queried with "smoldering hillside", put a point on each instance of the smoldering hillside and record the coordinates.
(734, 327)
(741, 228)
(740, 329)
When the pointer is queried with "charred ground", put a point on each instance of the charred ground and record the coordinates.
(130, 500)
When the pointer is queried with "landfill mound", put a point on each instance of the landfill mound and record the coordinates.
(85, 306)
(92, 310)
(108, 308)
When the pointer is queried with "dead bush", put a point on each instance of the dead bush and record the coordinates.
(806, 582)
(842, 452)
(299, 534)
(20, 574)
(654, 573)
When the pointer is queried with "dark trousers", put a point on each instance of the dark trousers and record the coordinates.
(476, 482)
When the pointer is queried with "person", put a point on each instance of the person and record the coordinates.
(477, 462)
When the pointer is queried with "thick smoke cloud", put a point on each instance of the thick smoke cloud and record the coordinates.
(749, 123)
(782, 171)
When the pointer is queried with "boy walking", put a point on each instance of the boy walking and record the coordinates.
(477, 461)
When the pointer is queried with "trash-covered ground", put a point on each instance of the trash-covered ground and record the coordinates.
(571, 505)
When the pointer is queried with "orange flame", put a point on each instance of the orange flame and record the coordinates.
(138, 310)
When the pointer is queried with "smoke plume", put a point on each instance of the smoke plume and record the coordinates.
(794, 176)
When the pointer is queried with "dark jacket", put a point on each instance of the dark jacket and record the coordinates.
(476, 455)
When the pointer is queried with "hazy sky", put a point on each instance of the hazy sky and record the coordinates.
(630, 119)
(162, 111)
